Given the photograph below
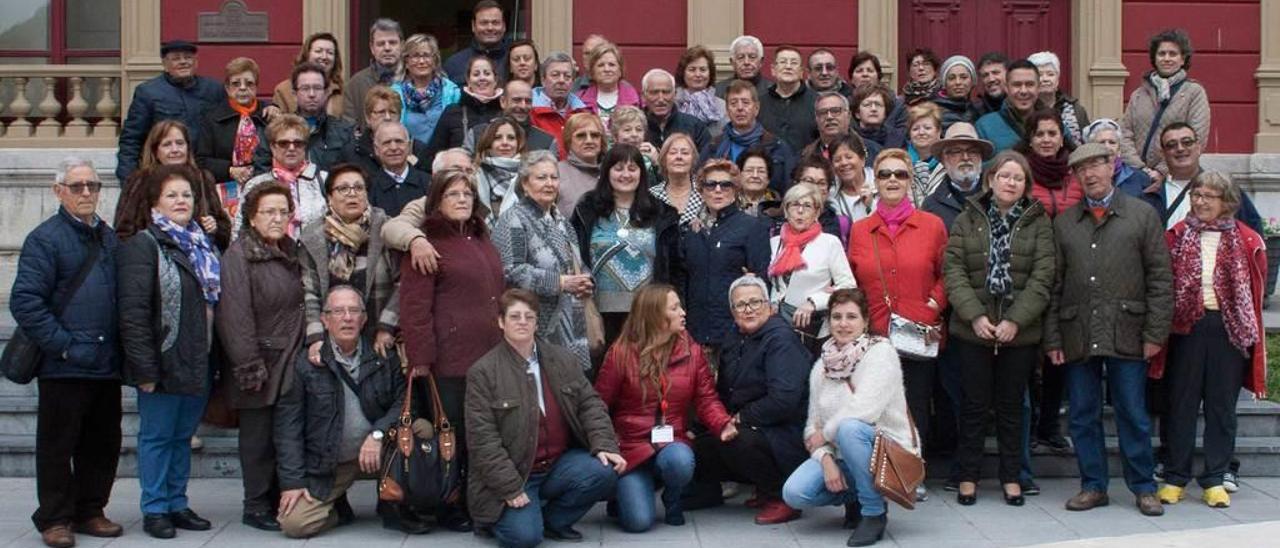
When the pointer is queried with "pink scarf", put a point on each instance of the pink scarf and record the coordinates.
(1230, 282)
(839, 361)
(895, 216)
(289, 178)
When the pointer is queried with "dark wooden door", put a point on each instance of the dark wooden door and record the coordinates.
(973, 27)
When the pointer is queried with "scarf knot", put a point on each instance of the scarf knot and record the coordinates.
(702, 104)
(839, 361)
(999, 279)
(792, 245)
(195, 245)
(1231, 282)
(346, 239)
(1164, 86)
(421, 101)
(735, 142)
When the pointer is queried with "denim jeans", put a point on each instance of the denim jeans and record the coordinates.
(557, 499)
(807, 488)
(167, 422)
(1127, 380)
(672, 466)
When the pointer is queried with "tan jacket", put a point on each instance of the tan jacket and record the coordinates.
(401, 230)
(1188, 104)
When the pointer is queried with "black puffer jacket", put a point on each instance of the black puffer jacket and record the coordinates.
(308, 416)
(184, 368)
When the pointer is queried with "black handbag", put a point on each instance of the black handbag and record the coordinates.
(22, 356)
(419, 465)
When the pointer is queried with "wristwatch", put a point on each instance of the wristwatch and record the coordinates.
(377, 435)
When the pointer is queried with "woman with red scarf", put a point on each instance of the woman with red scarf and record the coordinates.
(896, 255)
(807, 264)
(231, 131)
(1043, 145)
(1216, 343)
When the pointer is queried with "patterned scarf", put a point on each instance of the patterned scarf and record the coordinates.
(914, 92)
(421, 101)
(895, 216)
(839, 361)
(289, 178)
(1164, 86)
(999, 280)
(246, 133)
(702, 104)
(1069, 120)
(345, 241)
(501, 173)
(1230, 282)
(195, 245)
(792, 245)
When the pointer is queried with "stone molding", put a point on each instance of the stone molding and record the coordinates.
(878, 33)
(551, 24)
(714, 24)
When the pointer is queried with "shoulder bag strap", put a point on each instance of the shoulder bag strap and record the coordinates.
(884, 286)
(1155, 122)
(1177, 201)
(81, 275)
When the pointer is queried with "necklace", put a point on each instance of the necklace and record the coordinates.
(622, 216)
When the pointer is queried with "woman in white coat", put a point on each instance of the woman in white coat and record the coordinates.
(806, 265)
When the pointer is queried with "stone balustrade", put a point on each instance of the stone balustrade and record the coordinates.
(59, 106)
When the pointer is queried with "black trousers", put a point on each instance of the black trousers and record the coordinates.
(453, 394)
(1202, 366)
(917, 376)
(1052, 388)
(77, 449)
(258, 460)
(993, 380)
(747, 458)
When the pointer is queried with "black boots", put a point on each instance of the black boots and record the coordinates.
(870, 531)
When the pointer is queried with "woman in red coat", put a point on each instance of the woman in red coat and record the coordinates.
(1217, 341)
(896, 254)
(446, 317)
(649, 380)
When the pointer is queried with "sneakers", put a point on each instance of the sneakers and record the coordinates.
(1217, 497)
(1170, 494)
(1230, 482)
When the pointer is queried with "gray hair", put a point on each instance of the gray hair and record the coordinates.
(747, 40)
(1221, 182)
(1042, 58)
(799, 193)
(825, 94)
(384, 24)
(554, 58)
(343, 287)
(1100, 125)
(748, 280)
(437, 164)
(653, 73)
(69, 163)
(531, 159)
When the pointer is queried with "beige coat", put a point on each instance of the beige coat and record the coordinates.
(1189, 104)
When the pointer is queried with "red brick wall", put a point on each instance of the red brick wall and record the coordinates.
(1226, 39)
(651, 34)
(794, 23)
(275, 57)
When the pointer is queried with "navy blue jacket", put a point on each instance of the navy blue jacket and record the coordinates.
(161, 99)
(391, 197)
(764, 379)
(456, 65)
(713, 259)
(1247, 214)
(677, 122)
(86, 330)
(782, 158)
(1131, 181)
(947, 202)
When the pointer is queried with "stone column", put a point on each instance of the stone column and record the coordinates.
(139, 46)
(878, 33)
(1098, 72)
(328, 16)
(552, 26)
(1268, 76)
(714, 24)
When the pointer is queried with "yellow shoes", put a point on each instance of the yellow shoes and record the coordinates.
(1216, 497)
(1170, 494)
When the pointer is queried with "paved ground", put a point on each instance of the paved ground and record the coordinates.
(938, 523)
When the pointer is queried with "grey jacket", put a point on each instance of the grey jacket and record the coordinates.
(381, 288)
(1113, 290)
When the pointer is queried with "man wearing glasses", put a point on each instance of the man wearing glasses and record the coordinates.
(63, 299)
(832, 118)
(1182, 150)
(824, 73)
(177, 94)
(332, 139)
(962, 154)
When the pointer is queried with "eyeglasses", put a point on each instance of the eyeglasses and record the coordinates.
(349, 190)
(287, 144)
(419, 56)
(348, 312)
(960, 152)
(713, 184)
(274, 213)
(79, 188)
(516, 317)
(748, 306)
(801, 206)
(459, 195)
(1205, 196)
(823, 67)
(1172, 144)
(812, 181)
(887, 174)
(830, 111)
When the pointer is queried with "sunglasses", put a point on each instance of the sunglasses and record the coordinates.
(1186, 142)
(712, 184)
(286, 144)
(78, 188)
(887, 174)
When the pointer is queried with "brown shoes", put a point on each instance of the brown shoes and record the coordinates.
(1149, 505)
(99, 527)
(58, 536)
(1087, 500)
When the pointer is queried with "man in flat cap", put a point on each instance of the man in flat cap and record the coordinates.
(178, 94)
(1111, 307)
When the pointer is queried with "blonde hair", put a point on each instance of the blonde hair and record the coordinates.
(895, 154)
(623, 115)
(576, 122)
(597, 52)
(414, 43)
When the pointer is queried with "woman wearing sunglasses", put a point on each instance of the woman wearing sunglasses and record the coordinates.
(896, 255)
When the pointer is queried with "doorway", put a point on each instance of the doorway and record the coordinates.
(449, 21)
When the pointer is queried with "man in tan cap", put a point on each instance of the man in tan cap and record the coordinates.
(1111, 308)
(958, 177)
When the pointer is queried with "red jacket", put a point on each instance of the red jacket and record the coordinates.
(550, 120)
(449, 319)
(911, 263)
(689, 383)
(1255, 250)
(1057, 200)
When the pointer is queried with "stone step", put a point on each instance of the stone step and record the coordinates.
(18, 416)
(219, 458)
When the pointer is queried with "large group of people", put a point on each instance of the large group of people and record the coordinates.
(628, 292)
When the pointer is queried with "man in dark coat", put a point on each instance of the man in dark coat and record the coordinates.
(1182, 150)
(394, 184)
(331, 422)
(385, 40)
(746, 54)
(745, 131)
(516, 100)
(488, 26)
(786, 109)
(331, 138)
(78, 410)
(962, 154)
(178, 94)
(1111, 307)
(824, 73)
(763, 382)
(663, 119)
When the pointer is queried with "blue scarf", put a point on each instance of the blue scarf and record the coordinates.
(195, 244)
(421, 101)
(735, 143)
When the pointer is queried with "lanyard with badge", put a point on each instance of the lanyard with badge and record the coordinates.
(662, 432)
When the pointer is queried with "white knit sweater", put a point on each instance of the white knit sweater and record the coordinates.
(878, 398)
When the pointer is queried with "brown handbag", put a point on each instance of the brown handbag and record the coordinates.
(895, 470)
